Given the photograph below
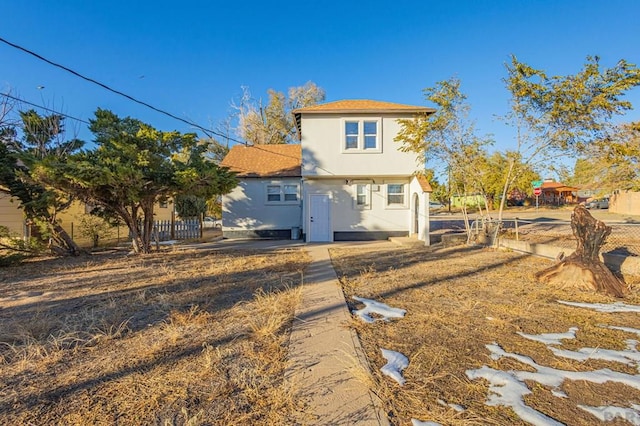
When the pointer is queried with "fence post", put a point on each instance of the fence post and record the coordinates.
(173, 224)
(516, 223)
(157, 237)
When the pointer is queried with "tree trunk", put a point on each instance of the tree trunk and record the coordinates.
(584, 269)
(66, 243)
(147, 221)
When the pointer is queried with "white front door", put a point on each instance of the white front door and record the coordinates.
(319, 211)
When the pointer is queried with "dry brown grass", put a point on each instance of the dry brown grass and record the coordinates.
(458, 300)
(172, 338)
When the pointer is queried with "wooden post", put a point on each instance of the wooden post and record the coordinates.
(516, 222)
(173, 224)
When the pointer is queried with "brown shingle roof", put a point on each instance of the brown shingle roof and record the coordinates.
(265, 160)
(424, 183)
(362, 105)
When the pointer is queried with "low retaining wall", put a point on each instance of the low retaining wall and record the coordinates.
(626, 265)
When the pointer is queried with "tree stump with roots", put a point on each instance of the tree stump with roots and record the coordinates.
(584, 269)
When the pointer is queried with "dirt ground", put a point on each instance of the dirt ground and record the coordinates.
(171, 338)
(200, 337)
(458, 301)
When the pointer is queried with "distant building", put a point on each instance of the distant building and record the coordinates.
(557, 194)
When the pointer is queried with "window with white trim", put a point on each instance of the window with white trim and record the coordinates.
(362, 135)
(282, 193)
(396, 194)
(351, 134)
(362, 196)
(273, 194)
(370, 135)
(290, 192)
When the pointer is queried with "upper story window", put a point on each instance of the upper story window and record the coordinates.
(282, 193)
(351, 133)
(362, 135)
(370, 134)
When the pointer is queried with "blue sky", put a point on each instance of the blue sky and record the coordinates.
(192, 57)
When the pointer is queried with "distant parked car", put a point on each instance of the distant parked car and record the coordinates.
(435, 205)
(598, 203)
(210, 222)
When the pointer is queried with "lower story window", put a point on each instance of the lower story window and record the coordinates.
(362, 195)
(291, 192)
(277, 193)
(395, 194)
(273, 193)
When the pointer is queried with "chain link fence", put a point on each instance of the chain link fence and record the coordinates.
(624, 238)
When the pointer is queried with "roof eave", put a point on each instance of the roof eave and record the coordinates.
(424, 110)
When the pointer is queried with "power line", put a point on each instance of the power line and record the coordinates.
(117, 92)
(6, 95)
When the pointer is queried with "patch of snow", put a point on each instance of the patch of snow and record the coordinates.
(490, 318)
(604, 307)
(396, 362)
(168, 243)
(554, 377)
(374, 307)
(507, 390)
(627, 329)
(558, 393)
(551, 338)
(608, 413)
(415, 422)
(629, 356)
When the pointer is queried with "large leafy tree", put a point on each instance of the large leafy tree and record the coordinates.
(36, 138)
(447, 137)
(440, 192)
(273, 123)
(491, 176)
(190, 206)
(611, 164)
(132, 168)
(556, 116)
(621, 157)
(570, 114)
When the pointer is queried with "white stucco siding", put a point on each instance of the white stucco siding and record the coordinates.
(323, 152)
(247, 208)
(347, 217)
(422, 210)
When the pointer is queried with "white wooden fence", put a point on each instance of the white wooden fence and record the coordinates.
(182, 230)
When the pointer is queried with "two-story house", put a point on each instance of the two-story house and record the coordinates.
(353, 181)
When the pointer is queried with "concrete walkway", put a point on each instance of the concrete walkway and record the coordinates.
(327, 361)
(326, 354)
